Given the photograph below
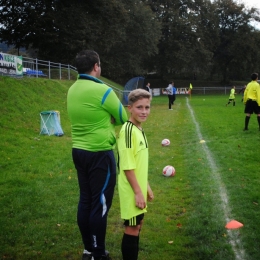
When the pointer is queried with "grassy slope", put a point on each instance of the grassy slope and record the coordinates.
(33, 167)
(37, 174)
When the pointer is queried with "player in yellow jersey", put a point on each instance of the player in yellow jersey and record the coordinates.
(232, 96)
(252, 100)
(133, 186)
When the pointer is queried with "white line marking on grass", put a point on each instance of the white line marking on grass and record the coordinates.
(234, 241)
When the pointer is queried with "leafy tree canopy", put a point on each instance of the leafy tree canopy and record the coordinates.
(173, 38)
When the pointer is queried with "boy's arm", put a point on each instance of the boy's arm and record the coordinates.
(139, 197)
(150, 195)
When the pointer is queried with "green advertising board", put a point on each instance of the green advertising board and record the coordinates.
(11, 65)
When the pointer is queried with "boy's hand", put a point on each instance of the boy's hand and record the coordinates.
(150, 195)
(140, 201)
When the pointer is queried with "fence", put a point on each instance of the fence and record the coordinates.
(41, 68)
(52, 70)
(122, 94)
(195, 91)
(211, 90)
(205, 90)
(215, 90)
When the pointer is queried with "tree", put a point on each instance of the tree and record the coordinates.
(23, 22)
(234, 32)
(124, 33)
(182, 52)
(174, 38)
(137, 42)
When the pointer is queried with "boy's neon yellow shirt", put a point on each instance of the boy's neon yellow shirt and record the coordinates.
(91, 104)
(232, 94)
(133, 155)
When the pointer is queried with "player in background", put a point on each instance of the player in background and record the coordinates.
(133, 186)
(232, 96)
(169, 91)
(252, 100)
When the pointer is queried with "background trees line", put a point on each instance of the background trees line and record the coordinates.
(175, 39)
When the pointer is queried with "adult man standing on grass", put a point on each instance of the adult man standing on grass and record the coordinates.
(94, 110)
(252, 100)
(169, 91)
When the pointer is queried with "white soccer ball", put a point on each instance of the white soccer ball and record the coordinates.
(166, 142)
(168, 171)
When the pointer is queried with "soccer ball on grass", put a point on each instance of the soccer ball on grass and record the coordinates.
(168, 171)
(166, 142)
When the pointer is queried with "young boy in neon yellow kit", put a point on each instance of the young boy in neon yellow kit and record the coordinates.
(133, 186)
(232, 96)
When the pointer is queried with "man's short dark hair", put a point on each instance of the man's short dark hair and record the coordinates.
(254, 76)
(85, 61)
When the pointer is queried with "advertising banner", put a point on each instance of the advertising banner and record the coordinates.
(178, 91)
(11, 65)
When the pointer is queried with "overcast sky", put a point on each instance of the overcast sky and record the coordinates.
(251, 3)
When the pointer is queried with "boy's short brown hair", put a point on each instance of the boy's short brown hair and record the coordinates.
(138, 94)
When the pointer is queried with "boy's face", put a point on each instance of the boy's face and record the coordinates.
(139, 111)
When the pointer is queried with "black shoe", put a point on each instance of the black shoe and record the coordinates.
(103, 257)
(87, 257)
(245, 129)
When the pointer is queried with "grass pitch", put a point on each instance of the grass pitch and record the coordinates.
(215, 181)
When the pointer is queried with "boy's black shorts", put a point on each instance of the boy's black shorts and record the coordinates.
(252, 107)
(135, 221)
